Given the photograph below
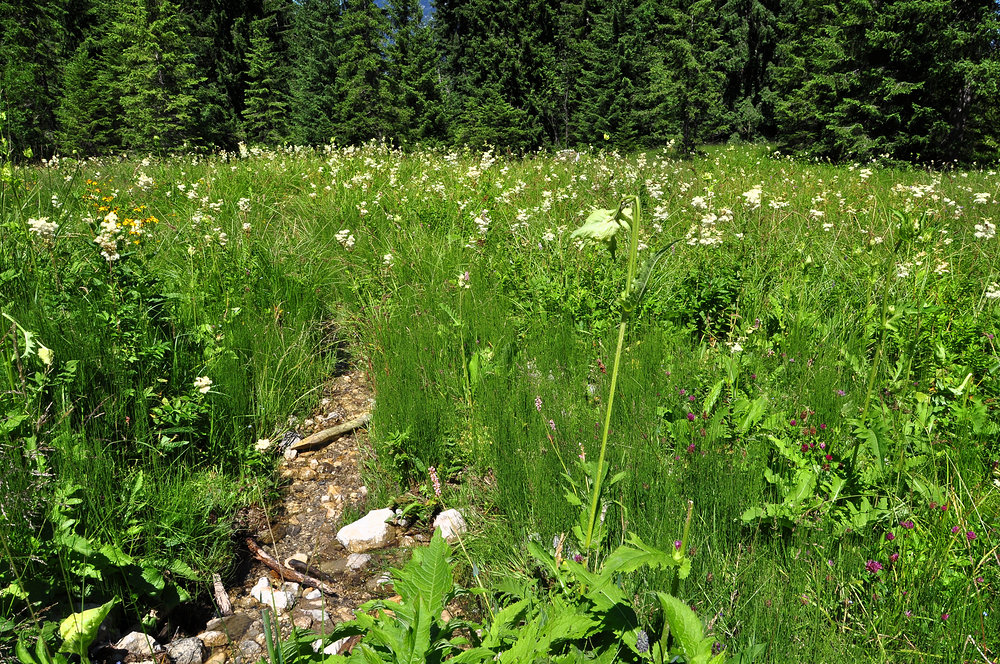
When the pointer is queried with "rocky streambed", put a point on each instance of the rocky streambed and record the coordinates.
(323, 486)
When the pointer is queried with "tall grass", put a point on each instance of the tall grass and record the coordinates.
(851, 297)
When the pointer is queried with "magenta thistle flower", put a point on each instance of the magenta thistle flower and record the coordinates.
(970, 536)
(691, 417)
(873, 566)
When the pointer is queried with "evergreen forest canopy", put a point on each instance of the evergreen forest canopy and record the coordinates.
(916, 80)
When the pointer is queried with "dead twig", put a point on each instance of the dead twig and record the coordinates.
(288, 573)
(323, 438)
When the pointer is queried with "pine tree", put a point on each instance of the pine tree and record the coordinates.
(157, 73)
(265, 102)
(314, 48)
(32, 44)
(412, 75)
(363, 103)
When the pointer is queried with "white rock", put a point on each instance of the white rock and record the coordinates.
(318, 615)
(186, 651)
(369, 532)
(335, 647)
(451, 523)
(291, 454)
(313, 594)
(139, 644)
(277, 599)
(356, 561)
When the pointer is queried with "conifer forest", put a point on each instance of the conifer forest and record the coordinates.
(915, 80)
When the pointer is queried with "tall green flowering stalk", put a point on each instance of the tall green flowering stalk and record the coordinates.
(603, 226)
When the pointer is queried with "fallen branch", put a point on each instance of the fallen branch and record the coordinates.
(288, 573)
(322, 438)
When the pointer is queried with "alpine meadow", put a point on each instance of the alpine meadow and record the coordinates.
(662, 331)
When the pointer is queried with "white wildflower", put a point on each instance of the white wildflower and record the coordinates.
(144, 182)
(387, 260)
(203, 384)
(752, 197)
(345, 238)
(262, 444)
(982, 198)
(986, 230)
(43, 228)
(993, 291)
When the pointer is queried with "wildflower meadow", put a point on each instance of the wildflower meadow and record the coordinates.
(745, 411)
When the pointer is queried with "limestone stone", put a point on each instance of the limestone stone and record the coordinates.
(138, 644)
(369, 532)
(452, 524)
(187, 651)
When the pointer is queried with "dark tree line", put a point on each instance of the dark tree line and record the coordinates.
(918, 80)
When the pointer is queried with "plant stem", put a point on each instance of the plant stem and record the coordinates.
(626, 313)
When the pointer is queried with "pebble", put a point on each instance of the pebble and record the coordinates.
(186, 651)
(213, 639)
(138, 644)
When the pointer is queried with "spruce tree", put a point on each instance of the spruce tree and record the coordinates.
(265, 103)
(362, 110)
(412, 74)
(313, 49)
(157, 74)
(32, 45)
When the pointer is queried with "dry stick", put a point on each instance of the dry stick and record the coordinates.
(221, 596)
(287, 572)
(321, 438)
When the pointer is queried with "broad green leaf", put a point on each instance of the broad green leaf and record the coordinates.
(686, 628)
(427, 576)
(80, 629)
(713, 396)
(626, 558)
(115, 555)
(600, 226)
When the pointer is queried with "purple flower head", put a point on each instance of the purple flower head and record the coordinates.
(691, 417)
(552, 424)
(677, 545)
(907, 524)
(970, 536)
(690, 448)
(538, 404)
(683, 391)
(944, 617)
(841, 393)
(890, 536)
(894, 557)
(822, 446)
(691, 398)
(954, 529)
(792, 422)
(873, 566)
